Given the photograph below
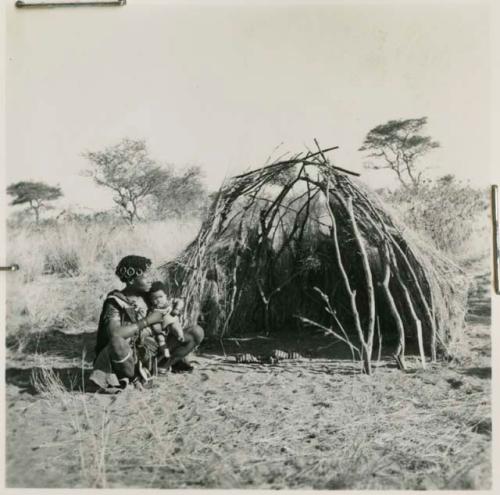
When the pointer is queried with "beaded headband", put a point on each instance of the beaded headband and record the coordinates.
(130, 272)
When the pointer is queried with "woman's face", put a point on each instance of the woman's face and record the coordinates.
(141, 283)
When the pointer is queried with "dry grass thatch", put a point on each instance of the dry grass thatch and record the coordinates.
(301, 243)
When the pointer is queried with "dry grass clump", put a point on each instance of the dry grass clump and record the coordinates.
(72, 248)
(87, 427)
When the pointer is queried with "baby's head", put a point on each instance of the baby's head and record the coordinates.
(158, 295)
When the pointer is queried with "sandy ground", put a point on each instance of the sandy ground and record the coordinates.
(310, 423)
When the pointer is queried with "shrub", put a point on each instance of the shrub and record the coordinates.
(447, 211)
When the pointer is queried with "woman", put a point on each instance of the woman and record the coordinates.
(124, 340)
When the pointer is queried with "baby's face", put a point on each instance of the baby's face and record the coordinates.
(159, 299)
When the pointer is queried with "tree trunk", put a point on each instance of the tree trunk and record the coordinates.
(130, 217)
(36, 209)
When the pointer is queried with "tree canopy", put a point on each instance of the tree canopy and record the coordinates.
(34, 194)
(127, 169)
(397, 145)
(141, 185)
(182, 195)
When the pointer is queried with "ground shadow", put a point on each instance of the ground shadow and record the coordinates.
(313, 346)
(315, 352)
(70, 379)
(61, 344)
(479, 372)
(479, 301)
(307, 344)
(55, 346)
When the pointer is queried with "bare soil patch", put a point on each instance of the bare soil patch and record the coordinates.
(309, 423)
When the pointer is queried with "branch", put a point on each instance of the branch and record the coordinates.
(368, 274)
(400, 351)
(345, 278)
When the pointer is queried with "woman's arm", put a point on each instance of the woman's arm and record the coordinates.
(115, 329)
(112, 321)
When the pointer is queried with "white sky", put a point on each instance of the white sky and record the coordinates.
(222, 86)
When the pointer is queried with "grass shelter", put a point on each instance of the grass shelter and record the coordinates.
(303, 243)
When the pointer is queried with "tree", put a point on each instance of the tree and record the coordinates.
(183, 195)
(397, 145)
(35, 194)
(127, 169)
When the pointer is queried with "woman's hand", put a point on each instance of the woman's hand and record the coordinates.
(155, 317)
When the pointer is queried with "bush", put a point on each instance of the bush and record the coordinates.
(446, 211)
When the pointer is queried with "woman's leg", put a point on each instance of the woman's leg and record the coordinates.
(193, 336)
(122, 358)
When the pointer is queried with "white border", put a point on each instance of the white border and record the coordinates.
(495, 178)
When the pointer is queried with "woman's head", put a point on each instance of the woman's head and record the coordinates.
(134, 271)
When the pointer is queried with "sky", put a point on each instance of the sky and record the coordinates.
(222, 85)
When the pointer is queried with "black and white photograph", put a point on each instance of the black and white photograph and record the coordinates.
(248, 244)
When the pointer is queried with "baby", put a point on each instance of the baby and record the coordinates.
(159, 301)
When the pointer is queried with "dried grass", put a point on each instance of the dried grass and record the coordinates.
(66, 270)
(90, 425)
(323, 429)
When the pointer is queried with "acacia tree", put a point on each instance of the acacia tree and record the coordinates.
(397, 145)
(182, 195)
(34, 194)
(127, 169)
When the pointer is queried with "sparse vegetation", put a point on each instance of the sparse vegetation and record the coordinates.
(67, 269)
(446, 211)
(326, 427)
(315, 423)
